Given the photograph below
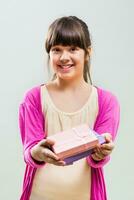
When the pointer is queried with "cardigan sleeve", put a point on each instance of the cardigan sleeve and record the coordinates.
(31, 125)
(106, 122)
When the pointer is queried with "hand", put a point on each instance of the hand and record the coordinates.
(101, 151)
(42, 152)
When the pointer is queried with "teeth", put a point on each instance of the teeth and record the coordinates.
(65, 66)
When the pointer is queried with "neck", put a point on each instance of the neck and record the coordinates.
(71, 84)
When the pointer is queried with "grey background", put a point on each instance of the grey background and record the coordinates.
(23, 25)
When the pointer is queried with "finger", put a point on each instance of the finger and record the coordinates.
(109, 146)
(49, 154)
(95, 150)
(106, 152)
(49, 160)
(98, 146)
(59, 163)
(105, 149)
(96, 157)
(47, 142)
(98, 150)
(99, 155)
(107, 136)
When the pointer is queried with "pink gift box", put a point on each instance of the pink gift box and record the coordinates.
(74, 141)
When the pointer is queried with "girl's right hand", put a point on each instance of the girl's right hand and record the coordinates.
(42, 152)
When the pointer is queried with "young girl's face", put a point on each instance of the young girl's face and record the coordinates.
(67, 61)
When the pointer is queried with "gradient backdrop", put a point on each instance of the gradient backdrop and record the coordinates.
(23, 26)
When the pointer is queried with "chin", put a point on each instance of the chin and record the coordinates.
(66, 77)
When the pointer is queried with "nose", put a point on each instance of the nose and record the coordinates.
(64, 56)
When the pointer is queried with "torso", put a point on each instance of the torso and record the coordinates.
(74, 181)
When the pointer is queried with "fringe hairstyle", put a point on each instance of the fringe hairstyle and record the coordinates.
(68, 31)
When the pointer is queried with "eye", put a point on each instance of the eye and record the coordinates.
(73, 49)
(55, 50)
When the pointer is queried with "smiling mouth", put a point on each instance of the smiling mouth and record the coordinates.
(65, 66)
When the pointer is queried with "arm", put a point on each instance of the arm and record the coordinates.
(31, 124)
(37, 150)
(107, 123)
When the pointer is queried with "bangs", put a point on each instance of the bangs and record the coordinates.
(66, 33)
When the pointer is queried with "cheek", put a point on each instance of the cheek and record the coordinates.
(53, 61)
(80, 59)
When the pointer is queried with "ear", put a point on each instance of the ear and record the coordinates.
(89, 50)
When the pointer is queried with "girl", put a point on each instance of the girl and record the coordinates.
(68, 100)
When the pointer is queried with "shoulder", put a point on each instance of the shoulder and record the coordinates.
(32, 92)
(108, 117)
(32, 96)
(106, 98)
(106, 95)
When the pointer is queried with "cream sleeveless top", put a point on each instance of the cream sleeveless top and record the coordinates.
(72, 182)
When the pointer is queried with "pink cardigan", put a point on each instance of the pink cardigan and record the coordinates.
(31, 123)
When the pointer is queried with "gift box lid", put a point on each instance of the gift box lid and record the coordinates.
(73, 141)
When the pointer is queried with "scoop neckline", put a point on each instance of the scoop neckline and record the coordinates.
(69, 113)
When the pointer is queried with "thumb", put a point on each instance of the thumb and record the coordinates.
(107, 136)
(47, 142)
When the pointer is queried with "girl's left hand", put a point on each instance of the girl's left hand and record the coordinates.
(101, 151)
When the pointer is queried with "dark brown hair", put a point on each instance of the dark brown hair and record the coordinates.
(68, 31)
